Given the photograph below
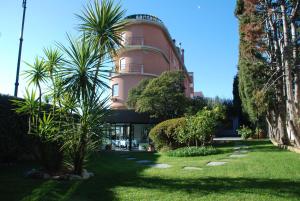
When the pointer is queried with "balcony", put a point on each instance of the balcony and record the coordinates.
(129, 68)
(133, 41)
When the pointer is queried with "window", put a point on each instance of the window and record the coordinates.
(122, 64)
(123, 38)
(115, 90)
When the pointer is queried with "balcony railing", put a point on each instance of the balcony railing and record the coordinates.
(133, 41)
(127, 41)
(145, 17)
(129, 68)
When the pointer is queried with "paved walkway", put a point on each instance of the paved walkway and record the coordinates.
(227, 139)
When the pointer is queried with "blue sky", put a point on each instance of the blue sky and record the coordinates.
(207, 30)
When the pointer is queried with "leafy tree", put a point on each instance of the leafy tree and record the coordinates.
(237, 103)
(163, 97)
(269, 84)
(135, 93)
(194, 105)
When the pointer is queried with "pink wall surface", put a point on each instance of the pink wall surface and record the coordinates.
(148, 52)
(126, 82)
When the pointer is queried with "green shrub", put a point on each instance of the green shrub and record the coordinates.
(199, 128)
(245, 132)
(192, 151)
(164, 135)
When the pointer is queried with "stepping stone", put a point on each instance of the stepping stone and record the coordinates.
(241, 151)
(216, 163)
(130, 159)
(237, 155)
(240, 147)
(160, 165)
(143, 161)
(192, 168)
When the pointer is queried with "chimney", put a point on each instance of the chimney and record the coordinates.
(182, 55)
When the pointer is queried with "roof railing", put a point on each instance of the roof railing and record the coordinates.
(145, 17)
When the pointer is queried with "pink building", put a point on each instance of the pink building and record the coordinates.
(148, 51)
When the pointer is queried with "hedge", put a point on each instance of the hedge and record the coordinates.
(164, 134)
(14, 141)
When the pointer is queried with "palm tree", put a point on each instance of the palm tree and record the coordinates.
(53, 62)
(28, 106)
(37, 75)
(103, 23)
(78, 84)
(79, 68)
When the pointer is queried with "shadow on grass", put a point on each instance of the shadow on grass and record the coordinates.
(203, 186)
(111, 170)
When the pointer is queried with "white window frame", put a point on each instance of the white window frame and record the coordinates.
(122, 65)
(114, 92)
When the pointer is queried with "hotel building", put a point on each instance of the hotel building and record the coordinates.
(148, 51)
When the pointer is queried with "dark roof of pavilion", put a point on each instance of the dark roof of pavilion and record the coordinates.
(130, 116)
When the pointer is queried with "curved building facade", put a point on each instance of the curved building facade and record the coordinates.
(148, 52)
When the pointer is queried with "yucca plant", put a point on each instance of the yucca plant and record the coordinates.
(102, 23)
(28, 106)
(84, 101)
(37, 75)
(78, 77)
(44, 128)
(53, 62)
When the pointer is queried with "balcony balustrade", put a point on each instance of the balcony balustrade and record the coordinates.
(129, 68)
(139, 41)
(133, 41)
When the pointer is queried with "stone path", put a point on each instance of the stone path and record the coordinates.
(160, 165)
(191, 168)
(216, 163)
(240, 151)
(148, 163)
(237, 155)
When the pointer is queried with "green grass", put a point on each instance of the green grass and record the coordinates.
(267, 173)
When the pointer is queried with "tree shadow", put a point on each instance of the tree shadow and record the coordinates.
(110, 169)
(203, 186)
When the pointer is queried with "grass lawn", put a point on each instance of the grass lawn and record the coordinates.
(267, 173)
